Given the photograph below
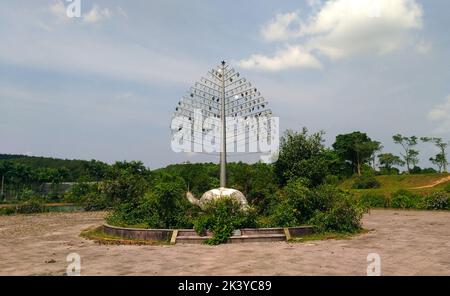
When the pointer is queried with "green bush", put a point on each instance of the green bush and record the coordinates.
(165, 206)
(301, 199)
(92, 196)
(94, 201)
(222, 217)
(404, 199)
(326, 207)
(390, 171)
(32, 206)
(143, 212)
(6, 211)
(79, 191)
(26, 194)
(374, 200)
(282, 215)
(366, 182)
(437, 201)
(344, 216)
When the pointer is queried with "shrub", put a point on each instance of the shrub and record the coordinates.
(26, 194)
(374, 200)
(437, 201)
(126, 186)
(418, 170)
(344, 216)
(6, 211)
(324, 197)
(92, 196)
(282, 215)
(141, 212)
(222, 217)
(366, 182)
(405, 199)
(31, 206)
(326, 207)
(300, 198)
(165, 206)
(79, 191)
(391, 171)
(95, 201)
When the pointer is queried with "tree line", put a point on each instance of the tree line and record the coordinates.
(302, 155)
(359, 149)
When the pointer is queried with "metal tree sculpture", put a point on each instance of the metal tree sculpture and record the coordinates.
(222, 95)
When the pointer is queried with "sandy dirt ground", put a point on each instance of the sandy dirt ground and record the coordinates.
(409, 243)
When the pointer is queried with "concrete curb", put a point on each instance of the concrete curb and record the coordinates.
(189, 236)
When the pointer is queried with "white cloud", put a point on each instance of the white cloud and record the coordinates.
(441, 115)
(58, 10)
(97, 14)
(290, 57)
(344, 28)
(282, 27)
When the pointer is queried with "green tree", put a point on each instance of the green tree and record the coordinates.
(389, 160)
(410, 156)
(5, 167)
(440, 160)
(357, 148)
(128, 181)
(96, 170)
(302, 155)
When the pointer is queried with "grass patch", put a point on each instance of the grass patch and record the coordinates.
(135, 226)
(327, 236)
(99, 236)
(393, 183)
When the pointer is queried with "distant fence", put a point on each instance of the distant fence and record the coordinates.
(46, 189)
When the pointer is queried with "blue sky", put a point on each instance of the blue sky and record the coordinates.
(104, 85)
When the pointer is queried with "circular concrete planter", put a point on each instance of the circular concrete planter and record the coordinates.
(138, 234)
(189, 236)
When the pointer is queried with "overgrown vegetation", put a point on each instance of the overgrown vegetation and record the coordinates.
(404, 199)
(310, 183)
(32, 206)
(222, 217)
(366, 182)
(437, 201)
(324, 207)
(374, 200)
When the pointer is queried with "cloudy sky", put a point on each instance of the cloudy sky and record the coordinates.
(104, 85)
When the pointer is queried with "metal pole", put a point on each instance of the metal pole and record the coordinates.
(223, 151)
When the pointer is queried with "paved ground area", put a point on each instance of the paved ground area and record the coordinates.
(409, 243)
